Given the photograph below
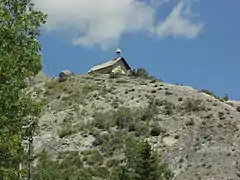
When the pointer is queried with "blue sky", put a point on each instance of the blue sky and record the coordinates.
(194, 43)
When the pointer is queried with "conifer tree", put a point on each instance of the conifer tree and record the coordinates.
(142, 163)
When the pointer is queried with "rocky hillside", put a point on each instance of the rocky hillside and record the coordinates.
(197, 134)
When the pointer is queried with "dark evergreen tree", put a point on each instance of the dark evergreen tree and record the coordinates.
(142, 163)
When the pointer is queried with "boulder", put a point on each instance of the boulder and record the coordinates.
(169, 141)
(65, 74)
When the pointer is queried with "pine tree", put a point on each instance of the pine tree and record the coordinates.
(142, 163)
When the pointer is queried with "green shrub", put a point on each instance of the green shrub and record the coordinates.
(150, 111)
(121, 81)
(209, 93)
(113, 162)
(193, 105)
(115, 103)
(156, 130)
(142, 129)
(139, 161)
(102, 172)
(102, 121)
(225, 97)
(67, 166)
(168, 108)
(122, 117)
(66, 130)
(190, 122)
(71, 160)
(141, 72)
(93, 158)
(132, 126)
(89, 88)
(112, 142)
(180, 99)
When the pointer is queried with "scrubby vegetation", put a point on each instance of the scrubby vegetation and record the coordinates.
(139, 162)
(142, 73)
(224, 98)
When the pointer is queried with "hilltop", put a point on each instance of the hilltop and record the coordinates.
(196, 133)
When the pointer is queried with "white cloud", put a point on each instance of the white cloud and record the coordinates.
(178, 23)
(103, 22)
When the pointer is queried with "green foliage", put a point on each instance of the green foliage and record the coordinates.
(90, 88)
(150, 111)
(69, 167)
(193, 105)
(209, 93)
(156, 130)
(101, 171)
(19, 59)
(65, 131)
(111, 142)
(123, 117)
(93, 158)
(54, 88)
(115, 103)
(143, 163)
(168, 109)
(224, 98)
(141, 72)
(103, 121)
(140, 162)
(113, 162)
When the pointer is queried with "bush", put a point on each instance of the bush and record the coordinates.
(180, 99)
(209, 93)
(141, 72)
(115, 103)
(193, 105)
(66, 166)
(190, 122)
(132, 126)
(156, 130)
(142, 130)
(66, 130)
(150, 111)
(139, 161)
(102, 121)
(168, 109)
(113, 162)
(112, 142)
(102, 172)
(123, 116)
(93, 158)
(225, 97)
